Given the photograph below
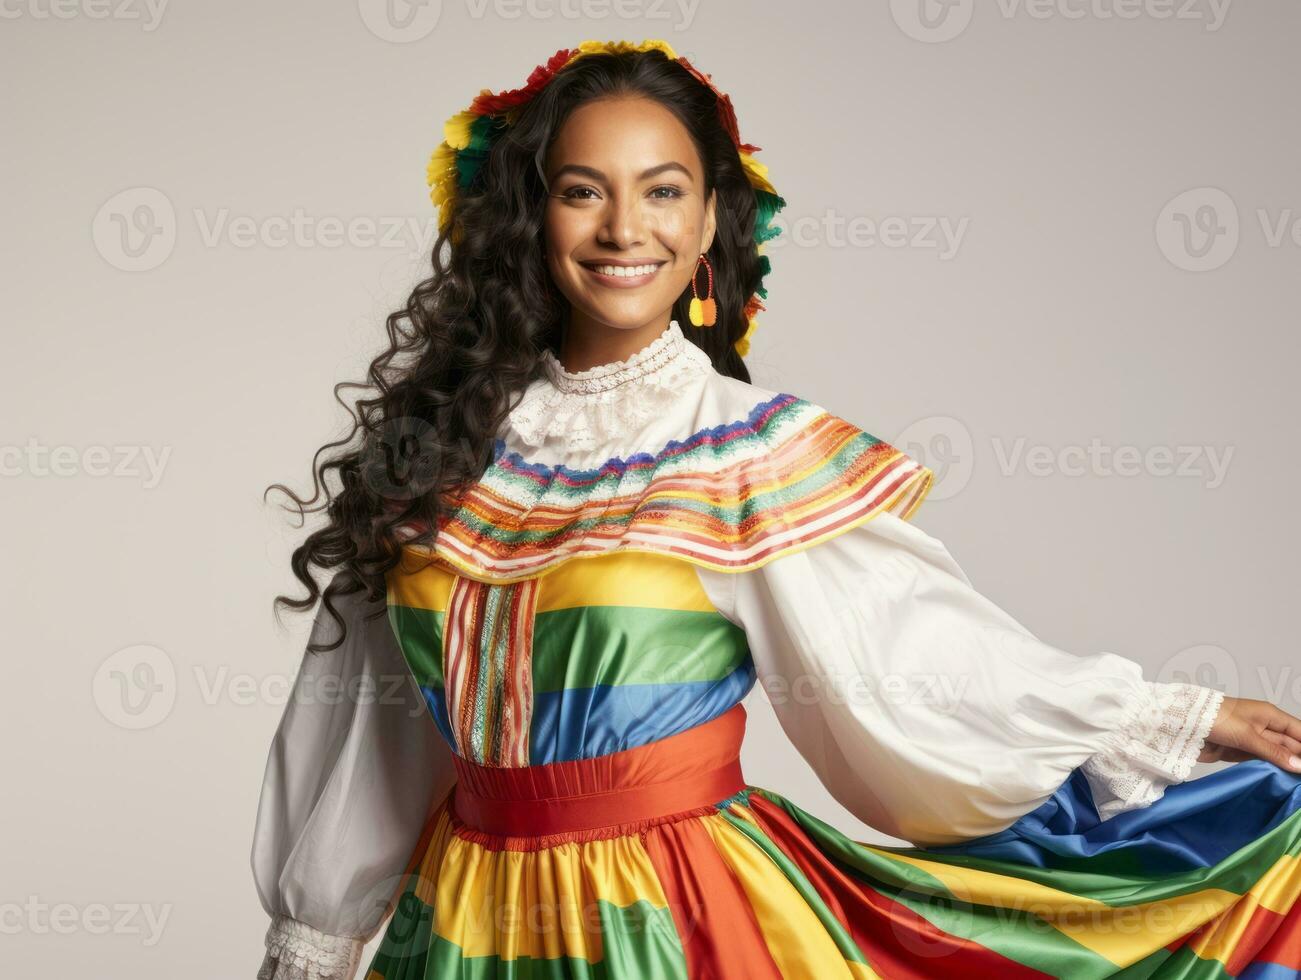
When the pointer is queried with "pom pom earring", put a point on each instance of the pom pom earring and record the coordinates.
(703, 312)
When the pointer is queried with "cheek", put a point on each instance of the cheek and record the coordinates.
(565, 229)
(682, 231)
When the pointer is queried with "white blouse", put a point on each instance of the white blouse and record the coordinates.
(924, 708)
(354, 769)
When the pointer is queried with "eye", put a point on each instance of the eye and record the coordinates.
(674, 192)
(574, 193)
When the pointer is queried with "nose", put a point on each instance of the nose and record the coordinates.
(623, 223)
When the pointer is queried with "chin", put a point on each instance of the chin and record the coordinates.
(625, 318)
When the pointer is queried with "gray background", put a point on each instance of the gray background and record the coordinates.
(1119, 179)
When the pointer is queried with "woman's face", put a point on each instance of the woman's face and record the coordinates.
(627, 218)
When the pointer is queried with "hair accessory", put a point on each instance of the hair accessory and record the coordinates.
(703, 312)
(468, 137)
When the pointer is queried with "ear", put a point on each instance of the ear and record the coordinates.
(711, 224)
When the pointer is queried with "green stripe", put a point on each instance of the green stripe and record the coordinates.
(632, 645)
(420, 635)
(620, 644)
(638, 940)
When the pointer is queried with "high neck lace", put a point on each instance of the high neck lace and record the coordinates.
(607, 404)
(659, 353)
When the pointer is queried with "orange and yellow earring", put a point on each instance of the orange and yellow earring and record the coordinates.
(703, 312)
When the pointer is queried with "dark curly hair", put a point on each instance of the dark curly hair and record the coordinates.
(471, 334)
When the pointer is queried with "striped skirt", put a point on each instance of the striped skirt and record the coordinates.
(660, 862)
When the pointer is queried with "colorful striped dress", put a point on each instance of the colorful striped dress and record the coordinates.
(525, 764)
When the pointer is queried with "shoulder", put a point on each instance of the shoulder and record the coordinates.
(799, 462)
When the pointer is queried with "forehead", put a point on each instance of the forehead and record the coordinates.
(622, 136)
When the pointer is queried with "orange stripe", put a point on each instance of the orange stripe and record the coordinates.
(720, 934)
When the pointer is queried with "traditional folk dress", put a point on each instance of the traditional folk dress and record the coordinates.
(530, 755)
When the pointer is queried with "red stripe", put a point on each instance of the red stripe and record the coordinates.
(1268, 937)
(1284, 946)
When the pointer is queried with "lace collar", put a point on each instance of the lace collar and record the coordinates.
(584, 409)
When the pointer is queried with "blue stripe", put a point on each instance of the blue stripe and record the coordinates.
(436, 698)
(578, 723)
(1268, 971)
(1195, 824)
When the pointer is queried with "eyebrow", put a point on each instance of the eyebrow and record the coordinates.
(594, 174)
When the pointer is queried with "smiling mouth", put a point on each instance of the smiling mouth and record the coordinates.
(611, 274)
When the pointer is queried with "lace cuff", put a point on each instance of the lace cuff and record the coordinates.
(296, 951)
(1157, 748)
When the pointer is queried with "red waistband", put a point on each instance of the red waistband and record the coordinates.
(690, 770)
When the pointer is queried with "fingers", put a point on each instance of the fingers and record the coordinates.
(1285, 723)
(1273, 752)
(1293, 745)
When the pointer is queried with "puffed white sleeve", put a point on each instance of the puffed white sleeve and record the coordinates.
(931, 713)
(354, 770)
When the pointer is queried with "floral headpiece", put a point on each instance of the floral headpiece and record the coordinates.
(469, 136)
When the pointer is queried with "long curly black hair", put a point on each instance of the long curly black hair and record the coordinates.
(470, 335)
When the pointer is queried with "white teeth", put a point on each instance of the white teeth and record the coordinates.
(624, 271)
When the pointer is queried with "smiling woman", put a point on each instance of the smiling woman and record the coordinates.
(577, 536)
(627, 220)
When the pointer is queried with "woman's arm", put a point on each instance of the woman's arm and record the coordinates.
(354, 770)
(935, 716)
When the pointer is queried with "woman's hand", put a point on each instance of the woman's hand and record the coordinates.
(1249, 729)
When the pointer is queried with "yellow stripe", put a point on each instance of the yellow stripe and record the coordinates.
(419, 588)
(539, 903)
(620, 578)
(797, 941)
(1276, 890)
(625, 579)
(1123, 934)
